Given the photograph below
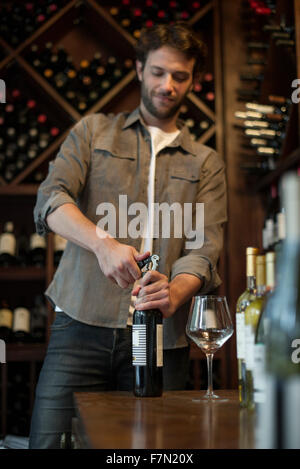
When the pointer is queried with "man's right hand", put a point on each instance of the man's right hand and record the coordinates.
(118, 261)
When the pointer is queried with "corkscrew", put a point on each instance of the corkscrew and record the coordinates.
(151, 263)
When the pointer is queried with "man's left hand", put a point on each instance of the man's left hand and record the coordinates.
(154, 292)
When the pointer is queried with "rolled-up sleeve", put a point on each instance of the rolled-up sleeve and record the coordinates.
(202, 261)
(66, 176)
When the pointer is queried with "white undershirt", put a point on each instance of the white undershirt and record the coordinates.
(159, 140)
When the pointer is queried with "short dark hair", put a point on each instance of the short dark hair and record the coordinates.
(178, 35)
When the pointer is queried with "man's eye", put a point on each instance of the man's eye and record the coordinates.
(180, 79)
(157, 73)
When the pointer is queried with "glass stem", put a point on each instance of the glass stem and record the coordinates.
(209, 358)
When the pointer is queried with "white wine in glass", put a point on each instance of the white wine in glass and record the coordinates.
(209, 326)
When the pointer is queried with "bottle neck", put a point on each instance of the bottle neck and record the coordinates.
(260, 291)
(251, 282)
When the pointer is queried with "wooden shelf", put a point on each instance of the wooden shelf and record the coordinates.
(24, 274)
(16, 352)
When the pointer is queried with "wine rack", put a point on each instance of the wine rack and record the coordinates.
(271, 49)
(43, 46)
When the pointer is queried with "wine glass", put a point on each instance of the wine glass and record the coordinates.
(209, 326)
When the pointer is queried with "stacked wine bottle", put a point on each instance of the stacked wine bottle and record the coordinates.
(134, 15)
(205, 90)
(21, 322)
(81, 86)
(262, 33)
(264, 128)
(198, 125)
(26, 130)
(20, 20)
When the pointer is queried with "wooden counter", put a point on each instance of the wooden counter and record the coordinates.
(109, 420)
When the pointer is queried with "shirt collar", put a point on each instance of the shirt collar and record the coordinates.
(183, 139)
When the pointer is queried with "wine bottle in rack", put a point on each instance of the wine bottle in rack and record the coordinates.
(242, 303)
(37, 250)
(252, 314)
(270, 229)
(6, 320)
(147, 347)
(22, 249)
(21, 324)
(8, 246)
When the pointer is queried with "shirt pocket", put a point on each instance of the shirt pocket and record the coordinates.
(182, 187)
(113, 171)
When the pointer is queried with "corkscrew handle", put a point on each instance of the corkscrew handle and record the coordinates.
(151, 263)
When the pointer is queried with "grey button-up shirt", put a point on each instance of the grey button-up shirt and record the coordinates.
(107, 156)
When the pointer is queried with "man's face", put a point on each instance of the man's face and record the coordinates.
(166, 79)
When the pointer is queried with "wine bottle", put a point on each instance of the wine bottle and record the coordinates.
(147, 347)
(278, 421)
(37, 250)
(22, 249)
(6, 320)
(8, 246)
(242, 303)
(252, 314)
(262, 331)
(21, 324)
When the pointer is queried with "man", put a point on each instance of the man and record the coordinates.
(148, 157)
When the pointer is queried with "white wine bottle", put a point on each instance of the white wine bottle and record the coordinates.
(252, 313)
(278, 422)
(242, 303)
(262, 332)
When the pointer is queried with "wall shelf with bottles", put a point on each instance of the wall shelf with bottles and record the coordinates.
(77, 23)
(270, 117)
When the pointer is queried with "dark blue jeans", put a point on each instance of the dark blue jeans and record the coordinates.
(87, 358)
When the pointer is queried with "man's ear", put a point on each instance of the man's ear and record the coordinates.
(139, 69)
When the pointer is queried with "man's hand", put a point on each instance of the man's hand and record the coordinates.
(118, 261)
(156, 292)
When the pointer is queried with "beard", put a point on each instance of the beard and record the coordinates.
(152, 109)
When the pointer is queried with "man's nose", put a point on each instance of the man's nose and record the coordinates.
(168, 84)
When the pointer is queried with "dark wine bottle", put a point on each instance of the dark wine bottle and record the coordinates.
(37, 250)
(8, 245)
(6, 320)
(21, 324)
(147, 347)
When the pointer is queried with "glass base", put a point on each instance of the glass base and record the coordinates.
(210, 397)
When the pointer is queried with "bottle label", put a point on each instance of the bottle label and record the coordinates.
(8, 244)
(139, 343)
(37, 241)
(249, 347)
(21, 320)
(6, 318)
(159, 345)
(240, 335)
